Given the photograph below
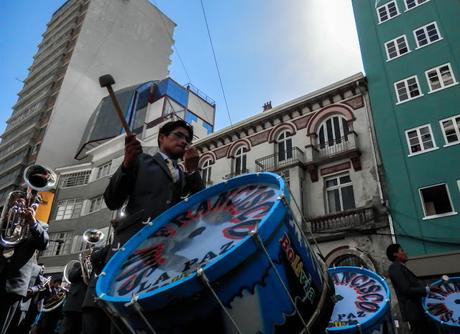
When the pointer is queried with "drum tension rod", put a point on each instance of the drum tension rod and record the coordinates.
(138, 308)
(259, 243)
(112, 313)
(204, 279)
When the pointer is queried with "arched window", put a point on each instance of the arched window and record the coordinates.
(284, 142)
(333, 131)
(206, 171)
(239, 160)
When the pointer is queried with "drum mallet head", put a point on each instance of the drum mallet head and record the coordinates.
(106, 81)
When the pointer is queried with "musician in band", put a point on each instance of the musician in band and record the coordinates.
(49, 320)
(152, 184)
(17, 269)
(72, 323)
(409, 291)
(30, 305)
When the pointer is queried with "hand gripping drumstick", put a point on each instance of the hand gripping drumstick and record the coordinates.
(107, 81)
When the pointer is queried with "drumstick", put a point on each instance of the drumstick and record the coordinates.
(107, 81)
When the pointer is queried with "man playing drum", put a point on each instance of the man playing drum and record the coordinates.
(409, 291)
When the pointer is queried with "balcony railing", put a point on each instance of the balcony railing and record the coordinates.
(236, 173)
(343, 220)
(273, 161)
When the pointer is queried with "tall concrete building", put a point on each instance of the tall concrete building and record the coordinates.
(410, 51)
(84, 39)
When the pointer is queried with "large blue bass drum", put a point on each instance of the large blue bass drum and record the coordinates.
(363, 302)
(229, 259)
(443, 306)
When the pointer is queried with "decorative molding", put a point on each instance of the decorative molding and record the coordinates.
(313, 171)
(259, 138)
(206, 156)
(280, 127)
(238, 144)
(221, 152)
(356, 160)
(326, 112)
(301, 123)
(335, 168)
(355, 102)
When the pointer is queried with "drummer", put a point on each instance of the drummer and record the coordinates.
(152, 184)
(409, 291)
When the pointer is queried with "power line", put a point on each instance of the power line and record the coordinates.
(215, 62)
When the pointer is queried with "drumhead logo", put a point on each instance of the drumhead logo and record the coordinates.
(359, 297)
(445, 304)
(195, 237)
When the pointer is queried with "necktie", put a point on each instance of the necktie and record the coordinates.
(172, 170)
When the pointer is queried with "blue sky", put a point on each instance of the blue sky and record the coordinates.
(267, 49)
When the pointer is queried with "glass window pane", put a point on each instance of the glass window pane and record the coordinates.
(348, 198)
(436, 200)
(333, 199)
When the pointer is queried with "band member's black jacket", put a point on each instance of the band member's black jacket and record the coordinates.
(16, 274)
(97, 261)
(77, 291)
(149, 189)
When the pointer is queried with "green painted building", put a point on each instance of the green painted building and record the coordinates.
(411, 56)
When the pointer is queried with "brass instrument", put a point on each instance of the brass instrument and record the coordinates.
(13, 225)
(93, 237)
(54, 300)
(67, 268)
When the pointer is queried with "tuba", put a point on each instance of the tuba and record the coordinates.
(13, 225)
(92, 237)
(54, 300)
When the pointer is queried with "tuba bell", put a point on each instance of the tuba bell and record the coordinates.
(92, 237)
(13, 226)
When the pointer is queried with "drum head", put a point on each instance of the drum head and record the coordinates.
(363, 299)
(444, 307)
(210, 230)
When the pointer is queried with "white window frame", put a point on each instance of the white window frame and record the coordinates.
(438, 72)
(387, 11)
(70, 205)
(65, 247)
(399, 54)
(425, 217)
(426, 34)
(419, 137)
(104, 169)
(284, 138)
(338, 187)
(206, 168)
(406, 85)
(240, 158)
(98, 201)
(417, 3)
(456, 128)
(85, 174)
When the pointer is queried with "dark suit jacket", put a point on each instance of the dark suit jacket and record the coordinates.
(34, 286)
(409, 291)
(97, 261)
(17, 272)
(149, 189)
(77, 292)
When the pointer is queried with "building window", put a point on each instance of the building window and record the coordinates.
(420, 139)
(396, 47)
(59, 244)
(206, 171)
(440, 77)
(75, 179)
(414, 3)
(339, 193)
(96, 203)
(68, 209)
(333, 131)
(451, 129)
(284, 143)
(407, 89)
(387, 11)
(239, 160)
(104, 170)
(436, 201)
(427, 34)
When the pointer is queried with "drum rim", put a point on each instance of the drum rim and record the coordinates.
(380, 314)
(433, 318)
(103, 283)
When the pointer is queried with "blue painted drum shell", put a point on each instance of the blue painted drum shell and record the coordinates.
(241, 269)
(448, 327)
(378, 318)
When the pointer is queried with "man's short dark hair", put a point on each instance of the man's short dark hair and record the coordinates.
(169, 127)
(391, 250)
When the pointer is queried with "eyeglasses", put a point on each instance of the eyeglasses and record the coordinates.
(181, 135)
